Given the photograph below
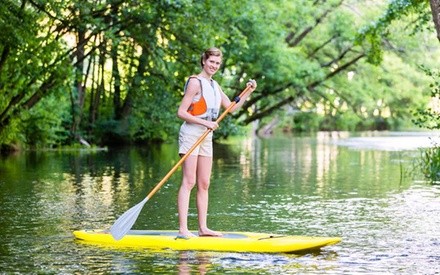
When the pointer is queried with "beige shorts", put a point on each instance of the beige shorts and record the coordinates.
(186, 141)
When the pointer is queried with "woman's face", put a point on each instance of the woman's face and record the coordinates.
(212, 64)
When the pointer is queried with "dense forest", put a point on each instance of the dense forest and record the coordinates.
(111, 72)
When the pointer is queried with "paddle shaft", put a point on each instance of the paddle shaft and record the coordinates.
(182, 159)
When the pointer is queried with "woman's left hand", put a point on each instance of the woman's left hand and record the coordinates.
(252, 83)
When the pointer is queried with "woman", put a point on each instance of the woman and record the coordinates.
(199, 109)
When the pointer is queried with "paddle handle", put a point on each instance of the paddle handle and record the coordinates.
(182, 159)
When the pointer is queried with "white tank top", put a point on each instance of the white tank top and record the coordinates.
(211, 93)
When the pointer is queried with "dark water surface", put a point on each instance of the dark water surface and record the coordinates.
(331, 184)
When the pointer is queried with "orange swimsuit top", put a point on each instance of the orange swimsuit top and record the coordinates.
(208, 105)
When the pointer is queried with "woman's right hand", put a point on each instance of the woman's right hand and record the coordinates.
(211, 125)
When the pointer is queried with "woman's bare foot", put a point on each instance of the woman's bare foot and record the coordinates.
(209, 233)
(185, 235)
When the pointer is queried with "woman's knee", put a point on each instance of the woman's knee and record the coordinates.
(203, 184)
(188, 183)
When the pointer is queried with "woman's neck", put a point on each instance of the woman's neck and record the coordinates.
(205, 75)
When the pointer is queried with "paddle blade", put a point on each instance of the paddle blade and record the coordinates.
(124, 223)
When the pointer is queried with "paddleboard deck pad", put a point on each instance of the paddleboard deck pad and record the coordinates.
(230, 241)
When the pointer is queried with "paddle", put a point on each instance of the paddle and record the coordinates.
(124, 223)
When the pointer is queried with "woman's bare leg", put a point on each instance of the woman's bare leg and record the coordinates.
(188, 182)
(204, 167)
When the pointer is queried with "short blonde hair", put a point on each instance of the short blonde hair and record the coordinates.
(213, 51)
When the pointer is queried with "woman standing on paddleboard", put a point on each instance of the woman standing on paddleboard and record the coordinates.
(199, 109)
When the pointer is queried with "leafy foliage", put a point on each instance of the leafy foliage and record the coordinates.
(112, 72)
(429, 163)
(430, 117)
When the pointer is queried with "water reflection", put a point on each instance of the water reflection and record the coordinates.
(391, 141)
(193, 263)
(323, 185)
(249, 263)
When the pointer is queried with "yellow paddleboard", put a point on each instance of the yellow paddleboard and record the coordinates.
(230, 241)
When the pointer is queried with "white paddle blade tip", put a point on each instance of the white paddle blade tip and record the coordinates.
(125, 222)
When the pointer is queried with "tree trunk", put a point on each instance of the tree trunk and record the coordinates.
(135, 84)
(96, 99)
(117, 106)
(435, 9)
(3, 57)
(117, 82)
(78, 93)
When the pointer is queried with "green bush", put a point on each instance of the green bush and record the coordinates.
(430, 163)
(44, 125)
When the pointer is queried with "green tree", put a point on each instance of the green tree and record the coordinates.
(324, 43)
(29, 69)
(117, 68)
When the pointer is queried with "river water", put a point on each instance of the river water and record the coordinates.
(364, 188)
